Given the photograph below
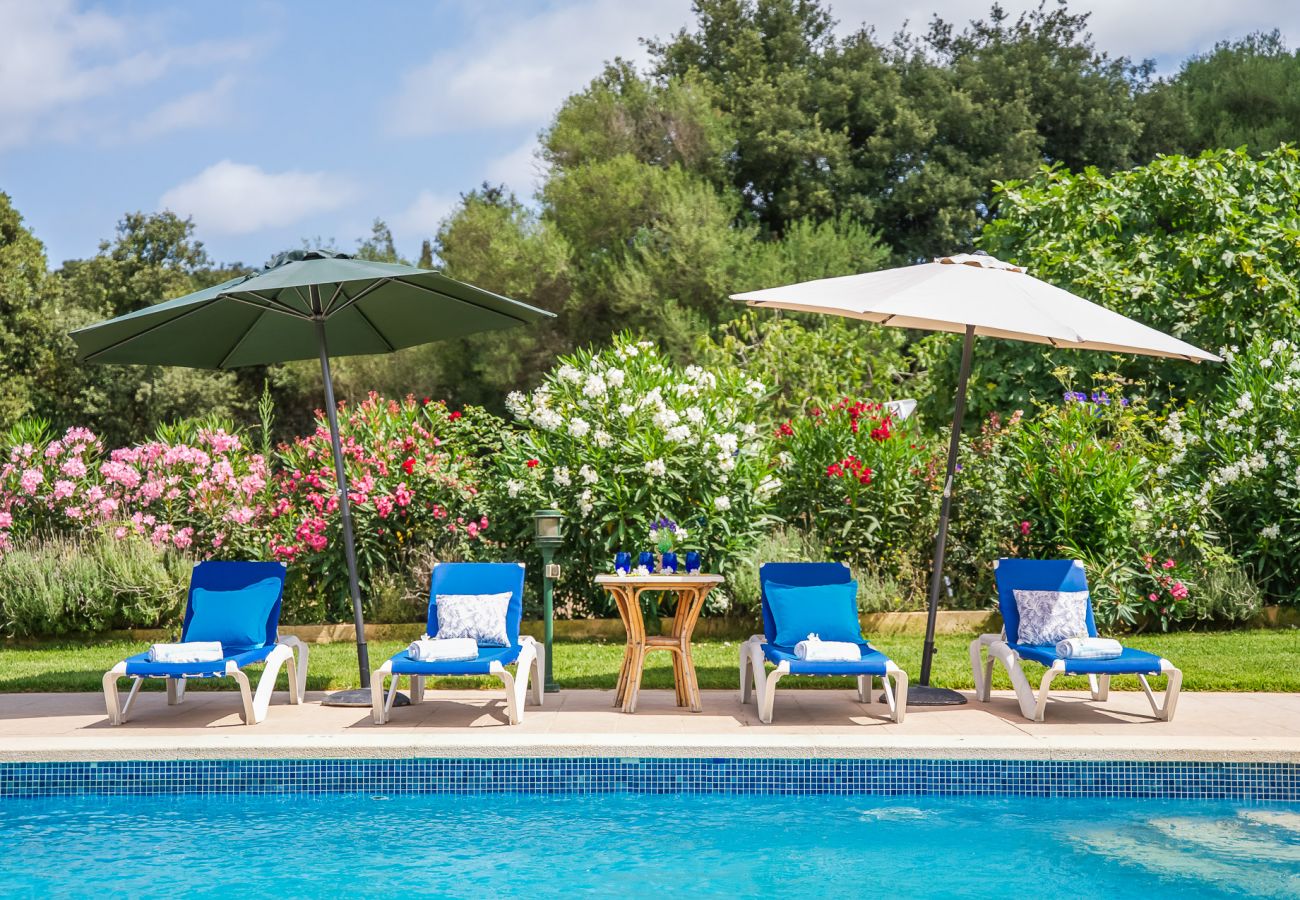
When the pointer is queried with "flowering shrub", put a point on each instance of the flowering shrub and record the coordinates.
(860, 478)
(621, 437)
(205, 495)
(410, 483)
(1237, 456)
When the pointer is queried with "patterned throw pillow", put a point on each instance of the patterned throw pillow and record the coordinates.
(478, 616)
(1047, 617)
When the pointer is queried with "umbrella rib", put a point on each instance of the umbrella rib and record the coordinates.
(338, 289)
(379, 334)
(91, 357)
(284, 308)
(460, 300)
(366, 290)
(239, 343)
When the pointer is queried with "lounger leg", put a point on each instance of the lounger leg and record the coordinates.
(378, 711)
(111, 702)
(417, 688)
(297, 668)
(278, 656)
(748, 682)
(898, 700)
(172, 692)
(537, 677)
(1099, 687)
(245, 693)
(1011, 662)
(513, 703)
(864, 688)
(523, 669)
(981, 666)
(1173, 687)
(767, 697)
(1044, 687)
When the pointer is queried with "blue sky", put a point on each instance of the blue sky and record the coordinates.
(270, 122)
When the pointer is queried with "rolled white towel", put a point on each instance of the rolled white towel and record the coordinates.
(814, 649)
(1089, 648)
(443, 649)
(188, 652)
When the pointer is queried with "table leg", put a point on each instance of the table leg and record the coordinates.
(620, 690)
(689, 609)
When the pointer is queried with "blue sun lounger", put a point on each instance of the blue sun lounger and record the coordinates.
(761, 649)
(237, 604)
(470, 578)
(1057, 575)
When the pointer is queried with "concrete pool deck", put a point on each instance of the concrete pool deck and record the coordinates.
(1209, 727)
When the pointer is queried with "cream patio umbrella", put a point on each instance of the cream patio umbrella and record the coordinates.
(970, 294)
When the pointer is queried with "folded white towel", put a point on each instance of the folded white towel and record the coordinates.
(443, 649)
(814, 649)
(1089, 648)
(188, 652)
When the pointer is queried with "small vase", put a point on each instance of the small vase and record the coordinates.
(692, 562)
(647, 561)
(622, 562)
(668, 563)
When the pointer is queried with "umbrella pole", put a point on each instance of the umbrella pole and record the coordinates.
(343, 698)
(924, 694)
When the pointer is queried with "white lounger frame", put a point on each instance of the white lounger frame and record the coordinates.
(756, 680)
(1034, 707)
(288, 651)
(530, 665)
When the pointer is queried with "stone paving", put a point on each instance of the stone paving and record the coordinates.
(1209, 726)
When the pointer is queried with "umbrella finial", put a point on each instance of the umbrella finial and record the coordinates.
(288, 256)
(979, 259)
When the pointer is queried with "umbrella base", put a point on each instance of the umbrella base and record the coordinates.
(925, 695)
(359, 697)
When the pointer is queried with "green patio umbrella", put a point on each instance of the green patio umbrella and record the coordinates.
(306, 304)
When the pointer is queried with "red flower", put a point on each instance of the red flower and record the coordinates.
(1024, 528)
(454, 415)
(427, 400)
(834, 470)
(408, 466)
(784, 430)
(532, 463)
(864, 476)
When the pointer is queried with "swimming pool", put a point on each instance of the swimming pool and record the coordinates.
(516, 845)
(649, 826)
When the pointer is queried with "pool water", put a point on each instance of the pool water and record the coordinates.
(518, 845)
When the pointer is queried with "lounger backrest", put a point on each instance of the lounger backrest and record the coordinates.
(479, 578)
(1013, 575)
(234, 575)
(796, 574)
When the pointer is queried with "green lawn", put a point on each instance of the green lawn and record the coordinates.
(1223, 661)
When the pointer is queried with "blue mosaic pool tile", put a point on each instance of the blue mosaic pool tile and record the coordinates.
(587, 775)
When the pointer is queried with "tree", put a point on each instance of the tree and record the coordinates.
(1243, 93)
(32, 343)
(1205, 248)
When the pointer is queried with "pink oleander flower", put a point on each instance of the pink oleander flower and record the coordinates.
(74, 512)
(402, 495)
(6, 519)
(63, 489)
(53, 449)
(30, 480)
(1168, 564)
(242, 515)
(472, 529)
(218, 539)
(1024, 528)
(94, 493)
(383, 506)
(107, 507)
(120, 473)
(120, 532)
(73, 467)
(1178, 590)
(183, 538)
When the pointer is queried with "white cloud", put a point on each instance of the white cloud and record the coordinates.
(520, 73)
(206, 107)
(235, 198)
(521, 169)
(422, 218)
(1162, 29)
(56, 58)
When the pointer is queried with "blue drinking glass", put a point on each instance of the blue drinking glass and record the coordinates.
(622, 562)
(669, 563)
(647, 559)
(692, 562)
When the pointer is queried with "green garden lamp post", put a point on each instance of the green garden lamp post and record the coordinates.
(548, 534)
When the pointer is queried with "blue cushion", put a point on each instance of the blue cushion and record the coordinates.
(140, 665)
(235, 618)
(481, 665)
(873, 662)
(829, 611)
(1130, 662)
